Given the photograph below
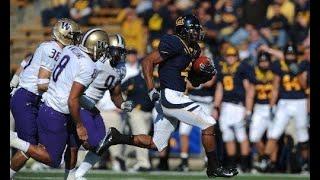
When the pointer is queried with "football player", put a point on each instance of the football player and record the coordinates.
(175, 55)
(25, 101)
(111, 71)
(261, 118)
(233, 103)
(74, 71)
(203, 95)
(292, 103)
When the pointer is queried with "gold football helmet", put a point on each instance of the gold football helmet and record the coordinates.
(67, 32)
(116, 50)
(94, 42)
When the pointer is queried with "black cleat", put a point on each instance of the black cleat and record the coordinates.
(109, 140)
(183, 167)
(222, 172)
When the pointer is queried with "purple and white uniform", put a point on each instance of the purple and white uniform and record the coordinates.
(24, 102)
(107, 78)
(74, 65)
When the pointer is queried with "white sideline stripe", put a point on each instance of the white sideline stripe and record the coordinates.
(169, 173)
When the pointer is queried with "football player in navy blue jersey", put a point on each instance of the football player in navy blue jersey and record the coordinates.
(233, 104)
(174, 56)
(261, 118)
(288, 101)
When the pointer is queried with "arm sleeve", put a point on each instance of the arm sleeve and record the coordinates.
(248, 72)
(47, 59)
(303, 66)
(169, 46)
(276, 68)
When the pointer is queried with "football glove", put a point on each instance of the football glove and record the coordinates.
(154, 95)
(127, 106)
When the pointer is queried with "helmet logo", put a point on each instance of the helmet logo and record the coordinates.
(180, 21)
(65, 25)
(101, 44)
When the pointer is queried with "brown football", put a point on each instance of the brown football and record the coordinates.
(201, 60)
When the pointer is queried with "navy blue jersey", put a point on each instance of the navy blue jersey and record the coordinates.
(232, 78)
(304, 66)
(263, 86)
(290, 87)
(177, 62)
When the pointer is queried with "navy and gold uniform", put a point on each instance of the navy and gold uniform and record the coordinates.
(261, 118)
(177, 62)
(263, 86)
(290, 87)
(292, 103)
(232, 78)
(232, 108)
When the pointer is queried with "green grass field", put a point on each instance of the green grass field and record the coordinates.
(103, 174)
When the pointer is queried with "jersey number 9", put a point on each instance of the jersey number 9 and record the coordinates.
(228, 83)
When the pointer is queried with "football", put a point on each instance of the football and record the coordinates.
(197, 63)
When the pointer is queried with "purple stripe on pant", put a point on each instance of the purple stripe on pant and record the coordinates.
(96, 130)
(24, 108)
(53, 132)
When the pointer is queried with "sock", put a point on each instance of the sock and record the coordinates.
(12, 173)
(212, 159)
(89, 161)
(69, 174)
(184, 158)
(19, 143)
(232, 161)
(245, 163)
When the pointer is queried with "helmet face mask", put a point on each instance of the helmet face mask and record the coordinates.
(264, 61)
(116, 50)
(189, 29)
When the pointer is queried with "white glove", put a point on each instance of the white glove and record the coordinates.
(127, 106)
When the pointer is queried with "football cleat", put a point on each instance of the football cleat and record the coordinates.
(222, 172)
(109, 140)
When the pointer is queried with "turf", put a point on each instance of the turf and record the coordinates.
(102, 174)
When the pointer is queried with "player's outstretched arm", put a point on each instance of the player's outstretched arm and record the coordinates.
(116, 96)
(77, 90)
(148, 64)
(217, 100)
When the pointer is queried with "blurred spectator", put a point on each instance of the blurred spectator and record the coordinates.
(157, 20)
(254, 12)
(133, 32)
(300, 30)
(140, 117)
(209, 28)
(276, 27)
(184, 6)
(286, 8)
(112, 118)
(255, 40)
(59, 10)
(81, 10)
(302, 5)
(143, 6)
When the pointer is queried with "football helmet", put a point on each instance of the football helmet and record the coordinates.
(67, 32)
(189, 29)
(94, 42)
(116, 50)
